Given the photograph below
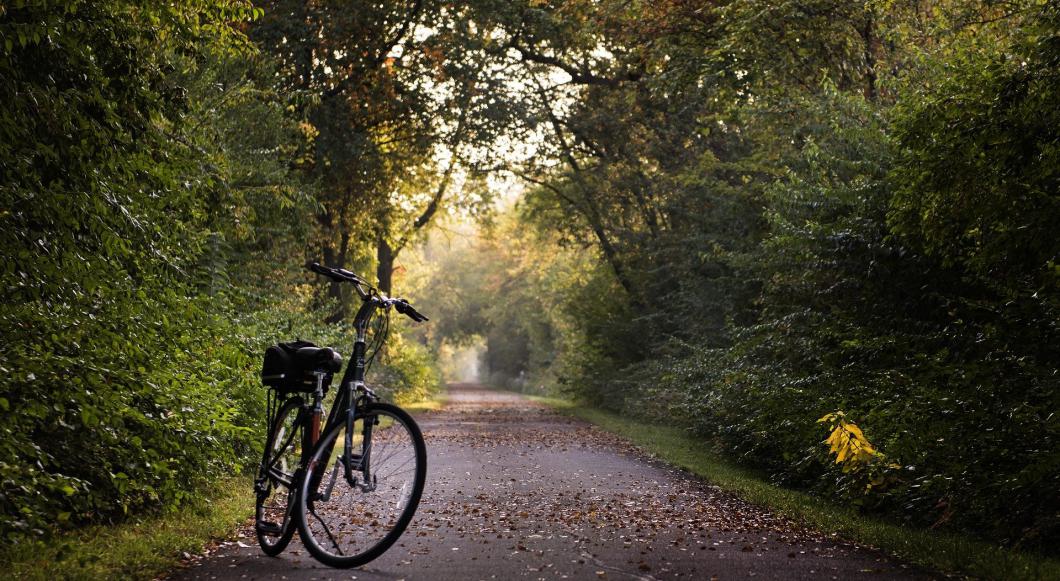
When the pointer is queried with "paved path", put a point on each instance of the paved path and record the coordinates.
(517, 491)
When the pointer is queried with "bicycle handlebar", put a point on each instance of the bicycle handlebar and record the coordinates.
(402, 306)
(342, 275)
(335, 274)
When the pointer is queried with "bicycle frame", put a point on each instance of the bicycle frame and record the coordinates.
(353, 394)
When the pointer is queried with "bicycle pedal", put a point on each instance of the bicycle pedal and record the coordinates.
(269, 529)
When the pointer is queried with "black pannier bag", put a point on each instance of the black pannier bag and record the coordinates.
(290, 366)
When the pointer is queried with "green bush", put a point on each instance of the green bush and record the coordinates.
(124, 383)
(407, 372)
(951, 373)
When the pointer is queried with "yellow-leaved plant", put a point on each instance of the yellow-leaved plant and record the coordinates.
(849, 444)
(857, 455)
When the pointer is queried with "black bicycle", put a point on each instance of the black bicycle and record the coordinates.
(352, 484)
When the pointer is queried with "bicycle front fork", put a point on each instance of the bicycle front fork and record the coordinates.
(351, 461)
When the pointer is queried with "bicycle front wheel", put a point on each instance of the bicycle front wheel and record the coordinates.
(347, 518)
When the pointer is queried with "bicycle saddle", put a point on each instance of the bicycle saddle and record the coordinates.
(318, 358)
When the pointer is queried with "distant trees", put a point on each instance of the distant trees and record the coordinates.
(807, 207)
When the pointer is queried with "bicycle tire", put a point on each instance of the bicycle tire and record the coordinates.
(285, 429)
(373, 507)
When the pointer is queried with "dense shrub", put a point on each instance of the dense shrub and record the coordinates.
(406, 372)
(942, 348)
(122, 378)
(152, 235)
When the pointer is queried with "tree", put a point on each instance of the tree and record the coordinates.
(403, 92)
(805, 207)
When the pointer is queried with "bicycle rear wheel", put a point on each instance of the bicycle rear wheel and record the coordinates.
(346, 523)
(273, 523)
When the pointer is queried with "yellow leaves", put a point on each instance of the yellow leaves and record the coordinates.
(308, 130)
(830, 417)
(848, 443)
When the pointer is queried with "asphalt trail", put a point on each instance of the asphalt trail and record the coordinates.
(515, 490)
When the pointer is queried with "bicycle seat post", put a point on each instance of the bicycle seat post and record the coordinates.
(318, 394)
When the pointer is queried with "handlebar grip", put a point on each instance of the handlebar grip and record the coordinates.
(320, 269)
(350, 276)
(406, 309)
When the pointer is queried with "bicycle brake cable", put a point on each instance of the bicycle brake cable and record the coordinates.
(378, 339)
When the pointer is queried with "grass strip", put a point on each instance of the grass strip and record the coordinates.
(431, 404)
(138, 549)
(939, 551)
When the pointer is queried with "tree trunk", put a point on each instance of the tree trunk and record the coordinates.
(334, 288)
(384, 270)
(335, 257)
(868, 36)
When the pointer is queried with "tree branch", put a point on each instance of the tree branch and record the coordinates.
(447, 177)
(593, 214)
(548, 186)
(578, 76)
(381, 55)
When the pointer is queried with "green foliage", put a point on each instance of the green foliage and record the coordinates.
(804, 207)
(124, 383)
(143, 547)
(978, 181)
(852, 319)
(408, 372)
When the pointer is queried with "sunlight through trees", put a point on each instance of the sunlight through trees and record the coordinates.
(731, 216)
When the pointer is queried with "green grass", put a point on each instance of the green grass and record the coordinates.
(946, 552)
(431, 404)
(140, 549)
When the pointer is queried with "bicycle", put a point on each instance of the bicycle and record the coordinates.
(352, 485)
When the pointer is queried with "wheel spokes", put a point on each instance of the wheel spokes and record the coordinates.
(347, 518)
